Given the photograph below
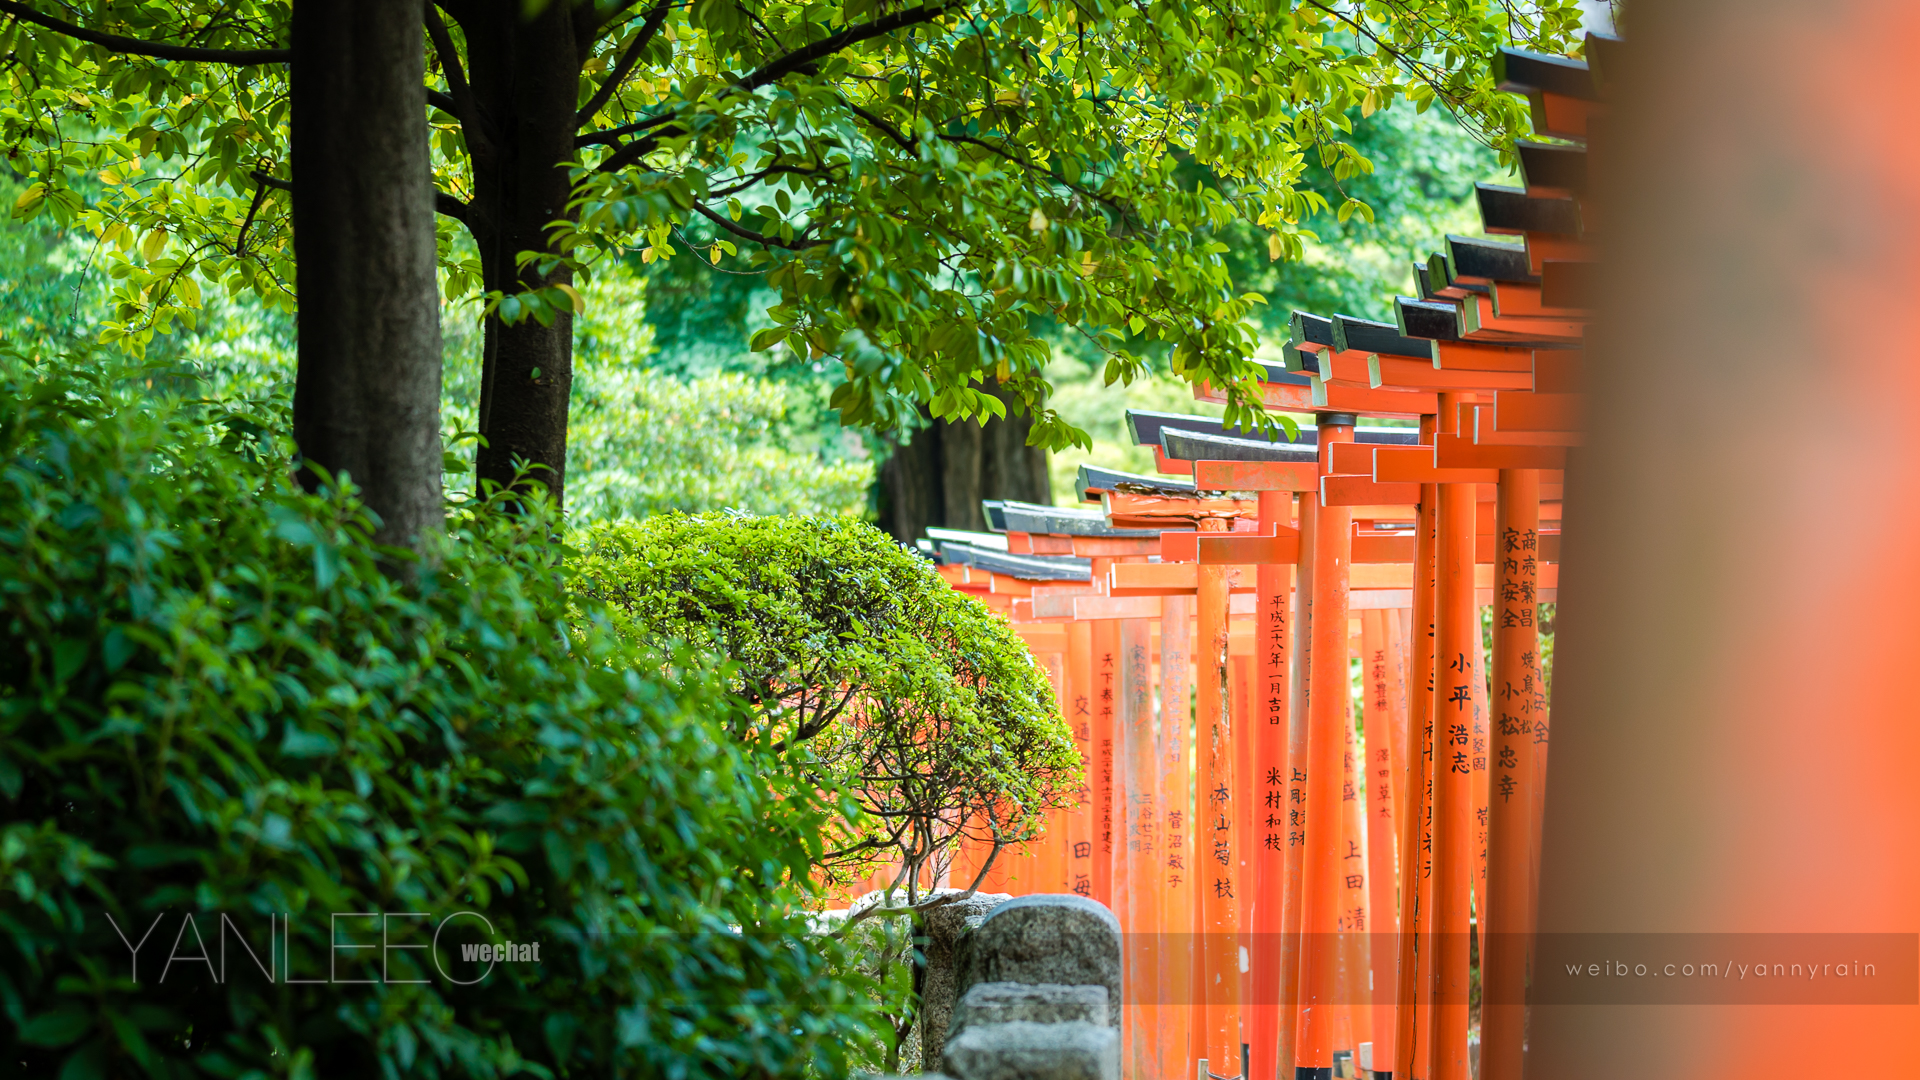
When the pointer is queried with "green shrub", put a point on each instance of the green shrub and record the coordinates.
(920, 707)
(212, 701)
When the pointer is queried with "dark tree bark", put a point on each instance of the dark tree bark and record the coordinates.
(940, 476)
(366, 402)
(525, 85)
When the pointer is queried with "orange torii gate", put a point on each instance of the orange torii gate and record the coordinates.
(1417, 528)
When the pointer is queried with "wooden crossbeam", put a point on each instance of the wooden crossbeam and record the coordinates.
(1483, 433)
(1257, 475)
(1479, 322)
(1461, 452)
(1475, 355)
(1518, 411)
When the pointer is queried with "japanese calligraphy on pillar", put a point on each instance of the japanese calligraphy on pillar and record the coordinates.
(1520, 701)
(1106, 679)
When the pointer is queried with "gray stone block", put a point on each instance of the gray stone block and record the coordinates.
(1046, 938)
(945, 927)
(1036, 1003)
(1028, 1051)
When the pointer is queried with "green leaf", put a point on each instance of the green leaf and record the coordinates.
(63, 1025)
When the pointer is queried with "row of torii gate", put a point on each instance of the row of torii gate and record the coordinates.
(1307, 883)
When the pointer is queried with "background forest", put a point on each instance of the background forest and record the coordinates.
(673, 411)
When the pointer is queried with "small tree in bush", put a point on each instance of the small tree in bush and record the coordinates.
(914, 702)
(921, 709)
(225, 735)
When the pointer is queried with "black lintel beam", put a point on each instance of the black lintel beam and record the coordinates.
(1482, 261)
(1518, 71)
(1022, 567)
(1308, 329)
(1065, 521)
(1198, 446)
(1420, 283)
(1201, 446)
(1441, 282)
(1094, 478)
(1512, 211)
(1145, 427)
(1363, 335)
(1435, 320)
(991, 510)
(1551, 165)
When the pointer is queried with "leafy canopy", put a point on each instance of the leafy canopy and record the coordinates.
(910, 699)
(921, 184)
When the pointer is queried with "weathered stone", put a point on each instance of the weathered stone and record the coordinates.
(1028, 1051)
(1037, 1003)
(945, 927)
(1046, 938)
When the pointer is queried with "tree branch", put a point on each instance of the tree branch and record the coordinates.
(442, 202)
(446, 104)
(656, 18)
(155, 49)
(462, 101)
(852, 35)
(635, 150)
(748, 234)
(609, 136)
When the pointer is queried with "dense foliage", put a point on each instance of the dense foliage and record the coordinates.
(921, 185)
(914, 701)
(213, 703)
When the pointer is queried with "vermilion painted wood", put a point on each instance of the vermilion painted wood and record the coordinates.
(1413, 1027)
(1268, 783)
(1168, 509)
(1376, 667)
(1245, 800)
(1360, 492)
(1479, 322)
(1138, 853)
(1383, 402)
(1176, 1053)
(1414, 464)
(1328, 701)
(1106, 690)
(1080, 822)
(1479, 356)
(1160, 579)
(1461, 452)
(1517, 696)
(1559, 371)
(1562, 116)
(1088, 547)
(1353, 1020)
(1217, 1013)
(1419, 375)
(1292, 899)
(1457, 639)
(1542, 247)
(1484, 435)
(1518, 411)
(1512, 299)
(1288, 476)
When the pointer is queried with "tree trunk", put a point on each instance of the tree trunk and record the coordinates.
(941, 475)
(525, 75)
(366, 401)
